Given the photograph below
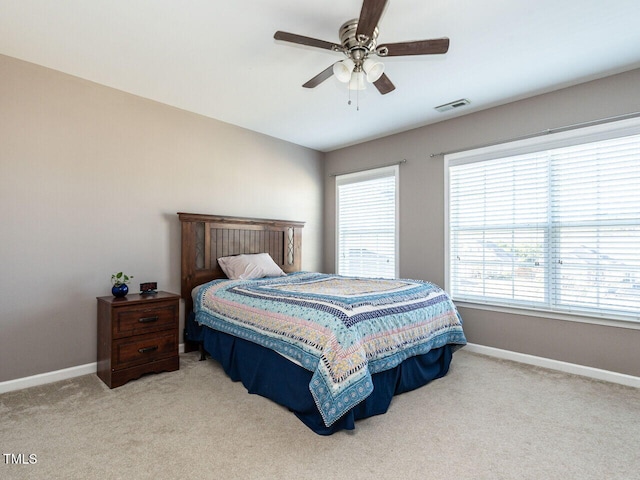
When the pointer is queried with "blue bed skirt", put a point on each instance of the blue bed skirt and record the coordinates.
(266, 373)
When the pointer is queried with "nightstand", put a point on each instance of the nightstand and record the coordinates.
(137, 334)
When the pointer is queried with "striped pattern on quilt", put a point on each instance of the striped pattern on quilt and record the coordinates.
(342, 329)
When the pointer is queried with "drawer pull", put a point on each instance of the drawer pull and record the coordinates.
(148, 319)
(148, 349)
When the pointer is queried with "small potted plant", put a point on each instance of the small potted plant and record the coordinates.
(119, 281)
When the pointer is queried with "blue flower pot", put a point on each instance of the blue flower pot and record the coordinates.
(120, 291)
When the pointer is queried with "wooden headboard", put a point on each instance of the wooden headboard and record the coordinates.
(205, 238)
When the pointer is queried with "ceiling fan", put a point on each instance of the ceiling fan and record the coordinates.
(358, 42)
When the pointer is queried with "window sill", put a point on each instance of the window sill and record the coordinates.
(607, 322)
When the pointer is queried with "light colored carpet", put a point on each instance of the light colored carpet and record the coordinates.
(487, 419)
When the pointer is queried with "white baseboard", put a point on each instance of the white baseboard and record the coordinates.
(55, 376)
(606, 375)
(596, 373)
(49, 377)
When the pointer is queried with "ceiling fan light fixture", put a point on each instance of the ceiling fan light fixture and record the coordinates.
(357, 81)
(343, 70)
(359, 40)
(373, 69)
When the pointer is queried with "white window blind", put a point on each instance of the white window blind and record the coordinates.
(366, 223)
(555, 229)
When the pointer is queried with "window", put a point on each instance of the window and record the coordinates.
(367, 205)
(549, 223)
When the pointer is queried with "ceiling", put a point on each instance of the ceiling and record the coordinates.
(219, 59)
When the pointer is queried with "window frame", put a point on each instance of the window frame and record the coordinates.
(362, 176)
(566, 138)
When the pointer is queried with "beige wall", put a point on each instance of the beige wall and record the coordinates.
(422, 213)
(90, 182)
(91, 179)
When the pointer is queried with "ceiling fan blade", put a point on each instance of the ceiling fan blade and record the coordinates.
(369, 17)
(308, 41)
(321, 77)
(420, 47)
(384, 85)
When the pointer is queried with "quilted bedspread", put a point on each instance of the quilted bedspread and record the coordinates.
(342, 329)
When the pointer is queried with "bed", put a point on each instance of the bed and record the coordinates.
(331, 349)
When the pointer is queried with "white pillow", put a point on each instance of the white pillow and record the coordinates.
(248, 266)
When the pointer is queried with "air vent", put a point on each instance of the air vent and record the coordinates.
(455, 104)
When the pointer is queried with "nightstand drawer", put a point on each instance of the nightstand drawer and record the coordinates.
(144, 349)
(145, 318)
